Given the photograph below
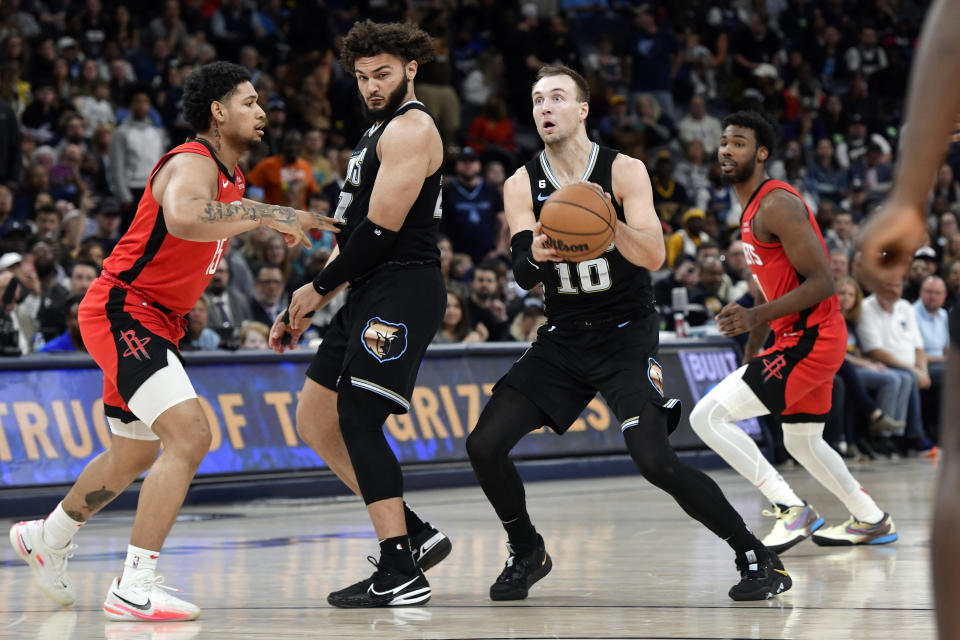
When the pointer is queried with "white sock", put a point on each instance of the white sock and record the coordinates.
(777, 491)
(139, 562)
(716, 426)
(59, 528)
(805, 442)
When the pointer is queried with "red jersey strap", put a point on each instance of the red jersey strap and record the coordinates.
(753, 205)
(201, 147)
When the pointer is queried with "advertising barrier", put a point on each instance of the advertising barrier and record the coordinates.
(52, 422)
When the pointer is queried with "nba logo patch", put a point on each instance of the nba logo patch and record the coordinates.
(384, 340)
(655, 375)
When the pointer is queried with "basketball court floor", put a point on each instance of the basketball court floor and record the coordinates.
(628, 563)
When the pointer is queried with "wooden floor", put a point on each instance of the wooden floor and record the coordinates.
(627, 564)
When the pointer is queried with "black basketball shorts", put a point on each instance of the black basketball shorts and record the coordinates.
(380, 334)
(564, 369)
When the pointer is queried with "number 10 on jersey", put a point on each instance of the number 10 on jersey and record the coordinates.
(594, 276)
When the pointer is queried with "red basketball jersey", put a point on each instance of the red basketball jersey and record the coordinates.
(773, 270)
(171, 271)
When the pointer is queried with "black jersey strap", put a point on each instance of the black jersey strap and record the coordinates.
(368, 243)
(526, 270)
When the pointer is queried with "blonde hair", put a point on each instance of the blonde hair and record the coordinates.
(853, 315)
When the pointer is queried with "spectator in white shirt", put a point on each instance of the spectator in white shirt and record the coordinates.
(889, 334)
(699, 125)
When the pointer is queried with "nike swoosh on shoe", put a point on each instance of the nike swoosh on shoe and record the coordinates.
(374, 592)
(143, 607)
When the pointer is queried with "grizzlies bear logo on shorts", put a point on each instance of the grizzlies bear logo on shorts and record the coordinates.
(655, 375)
(384, 340)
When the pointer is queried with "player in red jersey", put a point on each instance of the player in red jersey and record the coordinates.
(889, 240)
(794, 378)
(132, 319)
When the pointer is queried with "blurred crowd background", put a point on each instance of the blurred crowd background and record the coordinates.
(90, 96)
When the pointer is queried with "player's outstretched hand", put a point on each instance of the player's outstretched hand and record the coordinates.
(734, 320)
(888, 241)
(540, 250)
(280, 329)
(310, 220)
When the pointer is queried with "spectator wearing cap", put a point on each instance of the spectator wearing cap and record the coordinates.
(472, 209)
(700, 125)
(28, 298)
(924, 264)
(276, 125)
(69, 50)
(13, 236)
(531, 317)
(13, 339)
(107, 225)
(286, 178)
(852, 150)
(669, 197)
(70, 340)
(136, 147)
(686, 240)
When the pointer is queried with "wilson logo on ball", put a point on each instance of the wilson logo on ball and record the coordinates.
(563, 247)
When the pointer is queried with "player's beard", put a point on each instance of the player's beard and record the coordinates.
(742, 173)
(394, 100)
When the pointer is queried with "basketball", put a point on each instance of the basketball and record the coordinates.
(578, 222)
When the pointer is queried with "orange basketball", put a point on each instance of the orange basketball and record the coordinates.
(578, 222)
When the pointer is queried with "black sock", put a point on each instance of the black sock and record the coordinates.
(395, 554)
(414, 524)
(521, 532)
(742, 541)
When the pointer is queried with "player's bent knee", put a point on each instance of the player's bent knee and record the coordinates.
(133, 456)
(703, 416)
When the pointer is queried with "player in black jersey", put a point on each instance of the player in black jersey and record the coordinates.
(365, 369)
(601, 335)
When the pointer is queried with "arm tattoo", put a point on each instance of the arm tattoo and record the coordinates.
(216, 211)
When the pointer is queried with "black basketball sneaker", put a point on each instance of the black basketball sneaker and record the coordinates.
(521, 572)
(387, 587)
(429, 547)
(762, 576)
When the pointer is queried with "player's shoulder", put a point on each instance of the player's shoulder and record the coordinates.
(623, 162)
(412, 123)
(518, 182)
(781, 202)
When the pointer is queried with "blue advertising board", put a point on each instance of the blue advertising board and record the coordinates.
(52, 422)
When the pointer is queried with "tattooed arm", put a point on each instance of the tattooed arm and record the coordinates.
(186, 188)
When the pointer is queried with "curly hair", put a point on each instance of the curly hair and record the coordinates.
(214, 81)
(764, 127)
(404, 40)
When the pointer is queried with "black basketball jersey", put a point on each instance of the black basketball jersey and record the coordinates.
(417, 239)
(602, 289)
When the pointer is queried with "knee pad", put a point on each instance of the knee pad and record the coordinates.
(362, 415)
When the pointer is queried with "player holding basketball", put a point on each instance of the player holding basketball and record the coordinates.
(366, 366)
(888, 242)
(131, 320)
(794, 378)
(601, 335)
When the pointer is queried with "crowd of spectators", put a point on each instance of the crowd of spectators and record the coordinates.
(90, 99)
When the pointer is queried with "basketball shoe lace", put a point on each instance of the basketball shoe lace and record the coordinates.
(517, 567)
(58, 561)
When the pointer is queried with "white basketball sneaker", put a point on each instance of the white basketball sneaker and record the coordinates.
(49, 565)
(146, 598)
(794, 525)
